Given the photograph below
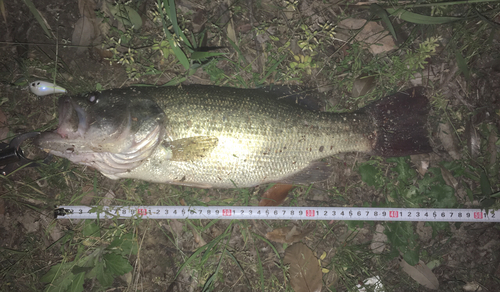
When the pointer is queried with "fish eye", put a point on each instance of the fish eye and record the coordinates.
(93, 99)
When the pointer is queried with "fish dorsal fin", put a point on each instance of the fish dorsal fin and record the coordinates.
(192, 148)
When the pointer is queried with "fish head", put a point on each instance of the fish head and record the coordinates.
(112, 131)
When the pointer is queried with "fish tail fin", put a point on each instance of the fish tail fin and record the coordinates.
(400, 121)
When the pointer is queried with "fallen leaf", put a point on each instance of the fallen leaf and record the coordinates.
(374, 282)
(199, 20)
(289, 11)
(2, 9)
(379, 239)
(197, 236)
(447, 137)
(473, 140)
(87, 8)
(231, 34)
(449, 179)
(352, 23)
(472, 286)
(362, 85)
(88, 194)
(288, 234)
(304, 271)
(4, 129)
(424, 232)
(376, 37)
(420, 273)
(83, 34)
(275, 195)
(126, 15)
(108, 198)
(421, 161)
(2, 207)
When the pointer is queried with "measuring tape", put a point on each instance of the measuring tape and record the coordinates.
(277, 213)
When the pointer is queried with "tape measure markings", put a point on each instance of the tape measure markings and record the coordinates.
(277, 213)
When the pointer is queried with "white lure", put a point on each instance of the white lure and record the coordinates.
(42, 88)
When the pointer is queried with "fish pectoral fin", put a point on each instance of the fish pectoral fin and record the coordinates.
(314, 172)
(192, 148)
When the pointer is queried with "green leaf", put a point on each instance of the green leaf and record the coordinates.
(487, 203)
(116, 264)
(403, 168)
(462, 65)
(59, 277)
(443, 195)
(205, 55)
(90, 228)
(411, 256)
(380, 12)
(104, 278)
(485, 184)
(354, 224)
(419, 18)
(124, 244)
(77, 269)
(38, 18)
(77, 283)
(369, 173)
(128, 16)
(56, 271)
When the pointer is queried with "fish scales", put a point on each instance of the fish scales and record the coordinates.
(259, 139)
(209, 136)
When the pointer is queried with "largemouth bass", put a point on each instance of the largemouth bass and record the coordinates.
(209, 136)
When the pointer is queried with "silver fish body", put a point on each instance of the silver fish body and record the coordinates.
(209, 136)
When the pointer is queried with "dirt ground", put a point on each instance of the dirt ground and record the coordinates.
(466, 255)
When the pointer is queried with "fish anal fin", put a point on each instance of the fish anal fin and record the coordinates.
(316, 171)
(192, 148)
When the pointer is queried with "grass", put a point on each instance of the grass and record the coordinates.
(224, 255)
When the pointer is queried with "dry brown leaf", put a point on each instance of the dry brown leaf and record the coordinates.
(377, 37)
(449, 179)
(4, 129)
(362, 85)
(420, 273)
(199, 20)
(288, 234)
(231, 34)
(421, 161)
(472, 286)
(275, 195)
(352, 23)
(88, 194)
(108, 198)
(2, 9)
(424, 232)
(447, 137)
(83, 34)
(197, 236)
(2, 207)
(304, 272)
(473, 140)
(87, 8)
(379, 239)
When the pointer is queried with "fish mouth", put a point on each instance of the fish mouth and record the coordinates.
(73, 123)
